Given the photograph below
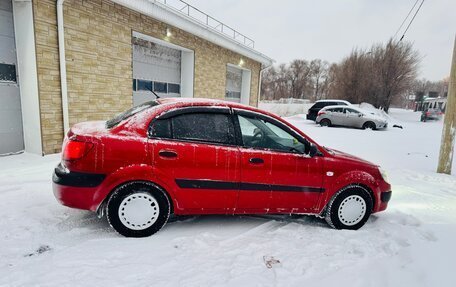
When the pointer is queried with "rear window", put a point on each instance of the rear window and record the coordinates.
(128, 113)
(318, 105)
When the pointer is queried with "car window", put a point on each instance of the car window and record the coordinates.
(318, 105)
(258, 133)
(161, 129)
(351, 111)
(204, 127)
(128, 113)
(337, 110)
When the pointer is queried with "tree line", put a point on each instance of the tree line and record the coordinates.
(383, 75)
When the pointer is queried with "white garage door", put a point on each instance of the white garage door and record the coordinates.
(11, 137)
(157, 68)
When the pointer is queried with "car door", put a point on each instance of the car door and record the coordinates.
(337, 116)
(353, 118)
(194, 152)
(277, 176)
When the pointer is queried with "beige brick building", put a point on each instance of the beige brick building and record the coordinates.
(115, 53)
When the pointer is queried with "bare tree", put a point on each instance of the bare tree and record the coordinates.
(398, 66)
(351, 80)
(299, 77)
(319, 73)
(380, 75)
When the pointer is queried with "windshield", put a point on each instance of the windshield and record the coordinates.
(128, 113)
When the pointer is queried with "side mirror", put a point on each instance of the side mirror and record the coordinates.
(313, 150)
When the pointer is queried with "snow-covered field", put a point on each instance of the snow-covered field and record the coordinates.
(411, 244)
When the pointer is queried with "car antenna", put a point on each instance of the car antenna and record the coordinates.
(155, 94)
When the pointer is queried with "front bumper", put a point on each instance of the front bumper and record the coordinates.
(76, 189)
(385, 196)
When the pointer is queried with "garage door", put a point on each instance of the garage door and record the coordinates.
(11, 137)
(155, 68)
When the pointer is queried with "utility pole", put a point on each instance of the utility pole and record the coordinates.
(449, 125)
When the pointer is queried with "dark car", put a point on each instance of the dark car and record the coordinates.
(431, 114)
(313, 111)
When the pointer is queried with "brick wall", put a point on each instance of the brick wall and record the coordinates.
(99, 62)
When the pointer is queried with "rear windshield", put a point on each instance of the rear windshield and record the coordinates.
(128, 113)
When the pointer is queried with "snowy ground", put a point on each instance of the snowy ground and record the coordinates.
(411, 244)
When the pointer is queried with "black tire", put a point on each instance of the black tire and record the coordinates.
(325, 123)
(369, 125)
(140, 190)
(354, 193)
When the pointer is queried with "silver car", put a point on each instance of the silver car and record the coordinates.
(350, 117)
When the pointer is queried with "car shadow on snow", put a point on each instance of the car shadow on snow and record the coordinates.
(247, 219)
(90, 223)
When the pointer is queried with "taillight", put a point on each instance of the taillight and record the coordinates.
(428, 113)
(321, 113)
(74, 150)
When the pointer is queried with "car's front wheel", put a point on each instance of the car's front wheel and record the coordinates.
(369, 125)
(350, 208)
(138, 209)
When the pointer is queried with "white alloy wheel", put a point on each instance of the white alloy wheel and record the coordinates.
(138, 211)
(352, 210)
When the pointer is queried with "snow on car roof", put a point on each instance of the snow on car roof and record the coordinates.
(341, 106)
(334, 100)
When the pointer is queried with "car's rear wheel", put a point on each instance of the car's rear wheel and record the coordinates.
(350, 208)
(369, 125)
(325, 123)
(138, 209)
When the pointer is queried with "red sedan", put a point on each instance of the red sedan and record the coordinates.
(195, 156)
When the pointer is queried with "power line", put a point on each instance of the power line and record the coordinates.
(395, 34)
(411, 21)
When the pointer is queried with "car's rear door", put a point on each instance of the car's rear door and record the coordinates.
(276, 174)
(337, 116)
(354, 118)
(194, 153)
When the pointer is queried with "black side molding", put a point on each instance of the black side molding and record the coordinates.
(77, 179)
(228, 185)
(385, 196)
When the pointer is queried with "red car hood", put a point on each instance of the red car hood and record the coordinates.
(346, 156)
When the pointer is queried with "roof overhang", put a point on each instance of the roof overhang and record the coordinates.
(163, 13)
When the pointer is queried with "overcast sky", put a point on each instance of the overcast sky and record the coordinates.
(329, 29)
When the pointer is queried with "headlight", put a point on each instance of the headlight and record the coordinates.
(383, 173)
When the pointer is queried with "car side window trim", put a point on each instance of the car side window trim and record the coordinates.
(266, 118)
(192, 110)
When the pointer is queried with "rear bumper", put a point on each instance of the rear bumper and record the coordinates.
(75, 189)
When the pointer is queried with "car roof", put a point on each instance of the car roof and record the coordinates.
(334, 100)
(339, 106)
(167, 104)
(188, 102)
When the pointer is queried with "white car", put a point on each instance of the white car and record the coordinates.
(350, 117)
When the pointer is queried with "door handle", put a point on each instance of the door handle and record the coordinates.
(256, 160)
(167, 154)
